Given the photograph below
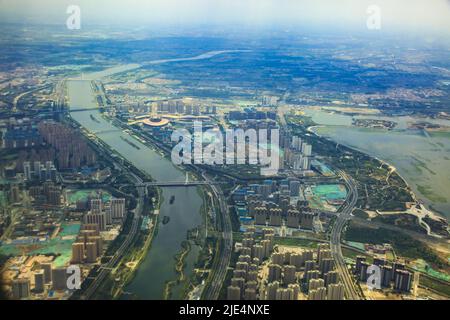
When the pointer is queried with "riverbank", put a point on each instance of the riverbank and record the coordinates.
(125, 270)
(154, 268)
(424, 211)
(179, 268)
(141, 253)
(423, 159)
(196, 254)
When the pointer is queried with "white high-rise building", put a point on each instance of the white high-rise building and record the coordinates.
(42, 173)
(48, 165)
(296, 143)
(27, 170)
(306, 149)
(298, 162)
(306, 165)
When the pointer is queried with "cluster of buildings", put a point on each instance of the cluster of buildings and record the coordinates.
(42, 279)
(251, 118)
(179, 107)
(31, 155)
(39, 276)
(165, 107)
(59, 149)
(21, 133)
(38, 224)
(88, 246)
(39, 172)
(42, 143)
(281, 273)
(312, 273)
(43, 234)
(72, 151)
(392, 275)
(246, 282)
(274, 203)
(297, 154)
(320, 279)
(269, 101)
(14, 193)
(47, 193)
(35, 226)
(251, 114)
(104, 214)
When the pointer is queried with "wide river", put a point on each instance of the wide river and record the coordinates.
(422, 159)
(158, 267)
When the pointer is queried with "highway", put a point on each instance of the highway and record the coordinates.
(17, 98)
(175, 183)
(219, 272)
(106, 268)
(350, 290)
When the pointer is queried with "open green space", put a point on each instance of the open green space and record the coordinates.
(60, 246)
(404, 245)
(296, 242)
(84, 195)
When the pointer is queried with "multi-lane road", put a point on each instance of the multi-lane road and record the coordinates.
(217, 278)
(130, 236)
(350, 289)
(215, 282)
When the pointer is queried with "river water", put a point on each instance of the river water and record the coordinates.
(158, 267)
(422, 159)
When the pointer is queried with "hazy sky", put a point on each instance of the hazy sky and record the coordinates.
(396, 14)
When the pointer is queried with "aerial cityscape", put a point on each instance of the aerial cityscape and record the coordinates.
(194, 150)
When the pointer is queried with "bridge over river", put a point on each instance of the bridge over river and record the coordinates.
(185, 183)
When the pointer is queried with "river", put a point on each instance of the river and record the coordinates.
(422, 159)
(158, 267)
